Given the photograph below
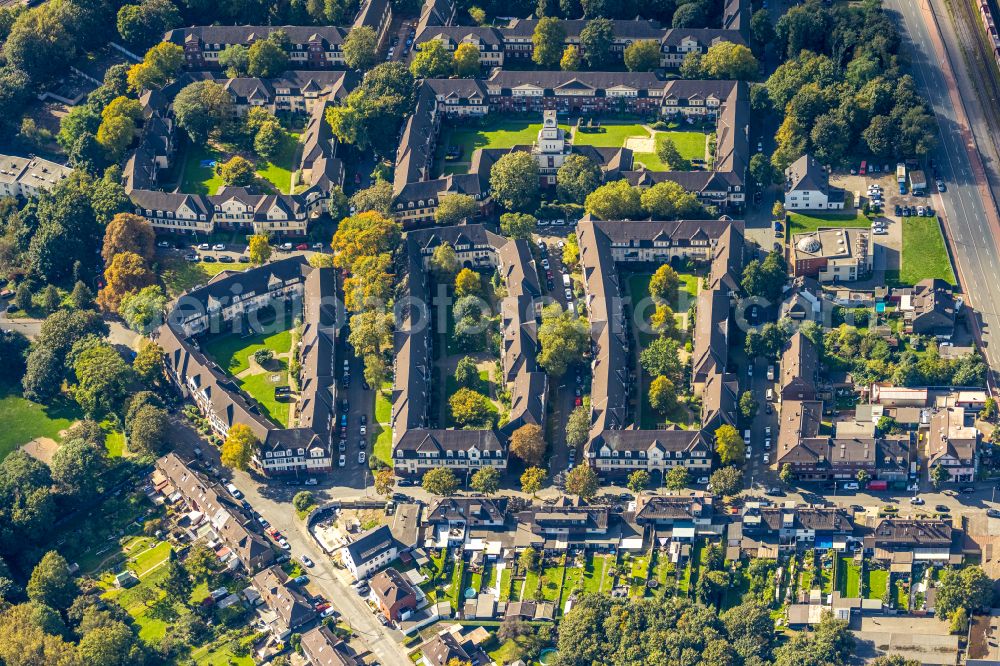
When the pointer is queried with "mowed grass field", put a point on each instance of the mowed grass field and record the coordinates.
(803, 223)
(180, 276)
(691, 146)
(24, 420)
(233, 352)
(198, 177)
(925, 254)
(507, 133)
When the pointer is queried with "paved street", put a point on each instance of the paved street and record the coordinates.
(972, 236)
(273, 501)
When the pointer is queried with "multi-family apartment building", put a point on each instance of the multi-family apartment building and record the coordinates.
(417, 446)
(24, 177)
(309, 47)
(616, 448)
(240, 208)
(953, 445)
(294, 289)
(417, 191)
(210, 504)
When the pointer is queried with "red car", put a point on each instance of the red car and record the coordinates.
(302, 246)
(321, 607)
(578, 401)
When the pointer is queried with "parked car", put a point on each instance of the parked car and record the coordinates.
(342, 461)
(302, 246)
(204, 246)
(993, 513)
(284, 544)
(300, 580)
(311, 481)
(851, 485)
(918, 501)
(968, 490)
(219, 247)
(941, 508)
(306, 561)
(226, 259)
(286, 246)
(163, 244)
(328, 612)
(361, 457)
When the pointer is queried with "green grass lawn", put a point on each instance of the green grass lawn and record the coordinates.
(505, 584)
(219, 654)
(924, 252)
(801, 223)
(553, 583)
(637, 575)
(848, 578)
(383, 445)
(531, 585)
(199, 179)
(115, 444)
(611, 134)
(24, 420)
(233, 352)
(149, 558)
(876, 584)
(499, 134)
(573, 580)
(593, 572)
(691, 146)
(900, 596)
(261, 388)
(180, 276)
(383, 407)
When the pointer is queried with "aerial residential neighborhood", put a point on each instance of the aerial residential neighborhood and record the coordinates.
(478, 333)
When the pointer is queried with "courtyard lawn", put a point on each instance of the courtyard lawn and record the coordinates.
(900, 596)
(261, 388)
(25, 420)
(499, 134)
(199, 176)
(232, 352)
(490, 579)
(801, 223)
(279, 172)
(691, 146)
(610, 135)
(180, 276)
(593, 572)
(925, 254)
(876, 585)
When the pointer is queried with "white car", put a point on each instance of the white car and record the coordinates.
(204, 246)
(767, 458)
(749, 451)
(361, 457)
(163, 244)
(702, 480)
(219, 247)
(328, 612)
(283, 542)
(318, 246)
(311, 481)
(286, 246)
(342, 461)
(917, 500)
(364, 429)
(569, 294)
(545, 264)
(306, 561)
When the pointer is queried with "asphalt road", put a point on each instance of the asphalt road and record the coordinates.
(962, 206)
(272, 500)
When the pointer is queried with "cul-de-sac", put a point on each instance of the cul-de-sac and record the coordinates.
(499, 333)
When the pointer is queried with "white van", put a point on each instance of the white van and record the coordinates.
(746, 436)
(567, 282)
(234, 491)
(770, 373)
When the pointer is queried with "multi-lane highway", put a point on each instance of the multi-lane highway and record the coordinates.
(967, 207)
